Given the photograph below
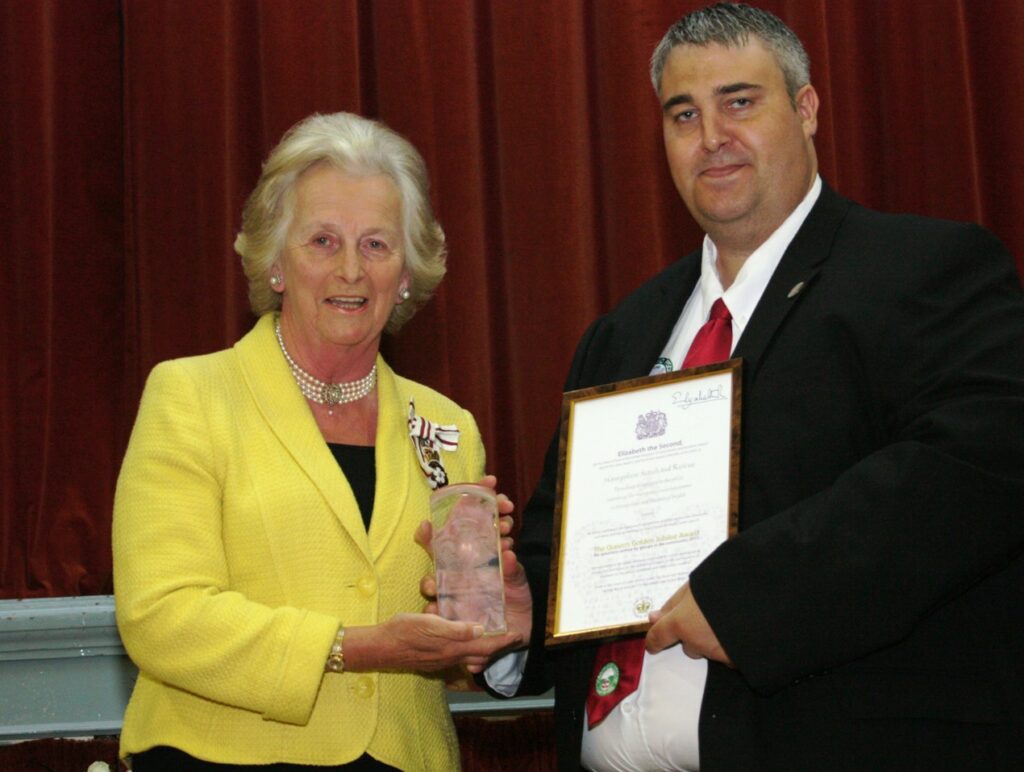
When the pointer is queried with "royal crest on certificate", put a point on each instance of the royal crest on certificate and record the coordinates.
(647, 488)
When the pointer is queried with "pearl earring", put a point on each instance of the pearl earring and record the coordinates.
(404, 293)
(275, 280)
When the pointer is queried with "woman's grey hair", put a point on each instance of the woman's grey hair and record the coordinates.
(732, 24)
(359, 147)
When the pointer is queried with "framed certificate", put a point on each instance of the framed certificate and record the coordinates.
(648, 486)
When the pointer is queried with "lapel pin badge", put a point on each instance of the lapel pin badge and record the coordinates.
(428, 440)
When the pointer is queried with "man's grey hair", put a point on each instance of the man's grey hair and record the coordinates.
(732, 24)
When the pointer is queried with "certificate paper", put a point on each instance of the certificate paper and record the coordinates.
(647, 488)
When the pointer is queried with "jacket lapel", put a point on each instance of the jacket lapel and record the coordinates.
(289, 418)
(793, 278)
(395, 461)
(657, 318)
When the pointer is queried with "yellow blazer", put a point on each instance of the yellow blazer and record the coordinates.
(239, 548)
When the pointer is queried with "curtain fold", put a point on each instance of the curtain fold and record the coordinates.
(132, 131)
(62, 398)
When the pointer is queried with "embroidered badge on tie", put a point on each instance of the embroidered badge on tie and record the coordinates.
(428, 440)
(607, 680)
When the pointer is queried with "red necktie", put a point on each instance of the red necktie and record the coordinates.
(618, 664)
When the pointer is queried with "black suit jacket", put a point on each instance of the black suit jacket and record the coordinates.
(873, 601)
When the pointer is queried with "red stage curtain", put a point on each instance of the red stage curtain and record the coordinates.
(132, 132)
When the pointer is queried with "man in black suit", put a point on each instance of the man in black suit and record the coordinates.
(870, 612)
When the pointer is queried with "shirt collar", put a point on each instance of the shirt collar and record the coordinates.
(745, 292)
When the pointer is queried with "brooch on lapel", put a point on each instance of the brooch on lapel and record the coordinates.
(429, 440)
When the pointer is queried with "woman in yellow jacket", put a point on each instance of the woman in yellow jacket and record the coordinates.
(266, 578)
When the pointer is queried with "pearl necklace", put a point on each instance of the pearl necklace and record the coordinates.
(321, 392)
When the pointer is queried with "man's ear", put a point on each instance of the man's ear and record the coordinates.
(807, 108)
